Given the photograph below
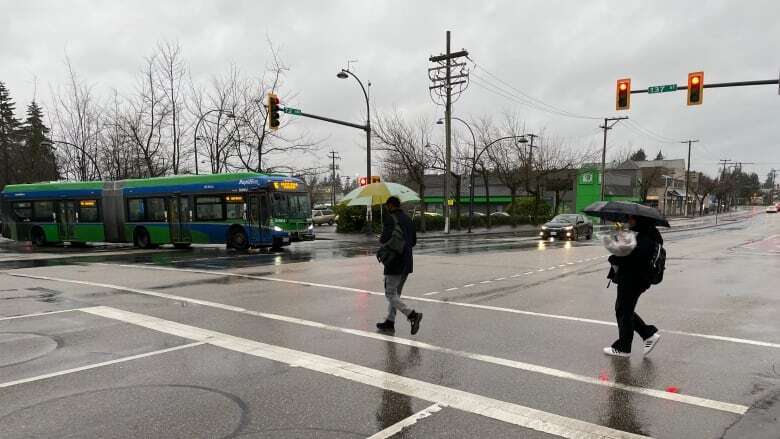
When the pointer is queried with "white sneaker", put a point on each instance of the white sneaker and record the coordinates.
(651, 342)
(609, 350)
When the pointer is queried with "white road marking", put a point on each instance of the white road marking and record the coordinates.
(570, 263)
(468, 285)
(540, 270)
(562, 265)
(406, 422)
(376, 293)
(528, 367)
(469, 402)
(451, 289)
(431, 293)
(485, 281)
(38, 314)
(499, 278)
(516, 275)
(96, 365)
(551, 268)
(528, 272)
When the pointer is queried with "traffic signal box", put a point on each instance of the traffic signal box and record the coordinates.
(623, 94)
(273, 111)
(363, 181)
(695, 88)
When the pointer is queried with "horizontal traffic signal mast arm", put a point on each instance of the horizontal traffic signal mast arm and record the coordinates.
(336, 121)
(723, 84)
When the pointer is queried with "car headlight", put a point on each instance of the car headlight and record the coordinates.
(568, 228)
(311, 226)
(544, 227)
(278, 229)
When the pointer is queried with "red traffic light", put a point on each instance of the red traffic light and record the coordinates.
(273, 111)
(695, 88)
(623, 95)
(363, 181)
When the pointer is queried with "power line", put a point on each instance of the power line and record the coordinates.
(523, 97)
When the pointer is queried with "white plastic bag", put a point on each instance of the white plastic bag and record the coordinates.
(620, 243)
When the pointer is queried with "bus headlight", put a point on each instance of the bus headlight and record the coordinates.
(278, 229)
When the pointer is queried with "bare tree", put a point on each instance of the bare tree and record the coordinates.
(215, 110)
(117, 155)
(257, 143)
(144, 120)
(76, 126)
(171, 73)
(705, 185)
(406, 147)
(508, 160)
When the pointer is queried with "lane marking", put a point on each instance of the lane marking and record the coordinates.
(406, 422)
(516, 275)
(451, 289)
(551, 268)
(528, 367)
(421, 299)
(540, 270)
(38, 314)
(469, 402)
(499, 278)
(96, 365)
(431, 293)
(468, 285)
(528, 272)
(485, 281)
(562, 265)
(570, 263)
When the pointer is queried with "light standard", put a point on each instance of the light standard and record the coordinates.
(344, 74)
(82, 151)
(229, 115)
(518, 139)
(473, 165)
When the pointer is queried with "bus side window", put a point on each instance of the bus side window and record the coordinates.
(43, 211)
(265, 210)
(135, 210)
(89, 212)
(23, 211)
(155, 209)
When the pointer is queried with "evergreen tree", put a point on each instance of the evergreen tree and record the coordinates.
(37, 162)
(9, 137)
(660, 156)
(639, 155)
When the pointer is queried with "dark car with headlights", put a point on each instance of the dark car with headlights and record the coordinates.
(567, 226)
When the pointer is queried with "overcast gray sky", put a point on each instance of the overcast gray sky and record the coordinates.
(564, 53)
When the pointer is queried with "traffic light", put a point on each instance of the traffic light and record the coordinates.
(623, 96)
(273, 111)
(363, 181)
(695, 88)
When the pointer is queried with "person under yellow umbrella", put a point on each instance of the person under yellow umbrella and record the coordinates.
(377, 193)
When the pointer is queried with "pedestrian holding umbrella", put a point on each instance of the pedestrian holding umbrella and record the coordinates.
(634, 268)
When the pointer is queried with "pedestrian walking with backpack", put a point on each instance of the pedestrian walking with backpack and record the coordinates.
(634, 273)
(398, 238)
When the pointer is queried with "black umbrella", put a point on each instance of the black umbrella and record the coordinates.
(619, 211)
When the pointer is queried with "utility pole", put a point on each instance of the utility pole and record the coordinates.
(606, 128)
(688, 172)
(531, 162)
(443, 88)
(333, 156)
(772, 186)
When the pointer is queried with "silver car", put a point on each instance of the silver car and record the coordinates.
(322, 217)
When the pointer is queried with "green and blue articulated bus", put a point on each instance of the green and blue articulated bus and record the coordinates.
(241, 210)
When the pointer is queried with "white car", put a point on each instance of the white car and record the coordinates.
(771, 209)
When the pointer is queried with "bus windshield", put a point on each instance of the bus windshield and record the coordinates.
(291, 205)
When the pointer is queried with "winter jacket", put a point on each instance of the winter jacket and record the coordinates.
(405, 264)
(633, 271)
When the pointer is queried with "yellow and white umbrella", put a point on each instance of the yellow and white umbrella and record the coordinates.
(378, 193)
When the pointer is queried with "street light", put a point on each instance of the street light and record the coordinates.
(344, 74)
(518, 139)
(473, 166)
(229, 115)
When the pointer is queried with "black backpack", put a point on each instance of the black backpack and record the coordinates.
(390, 251)
(658, 264)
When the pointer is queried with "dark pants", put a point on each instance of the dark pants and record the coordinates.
(628, 321)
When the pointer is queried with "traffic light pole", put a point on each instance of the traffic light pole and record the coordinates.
(722, 84)
(606, 128)
(688, 173)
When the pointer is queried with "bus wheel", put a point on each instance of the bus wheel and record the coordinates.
(142, 239)
(37, 237)
(238, 239)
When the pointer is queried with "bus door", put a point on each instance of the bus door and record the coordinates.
(66, 219)
(259, 217)
(180, 218)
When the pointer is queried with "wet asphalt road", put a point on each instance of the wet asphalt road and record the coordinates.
(209, 343)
